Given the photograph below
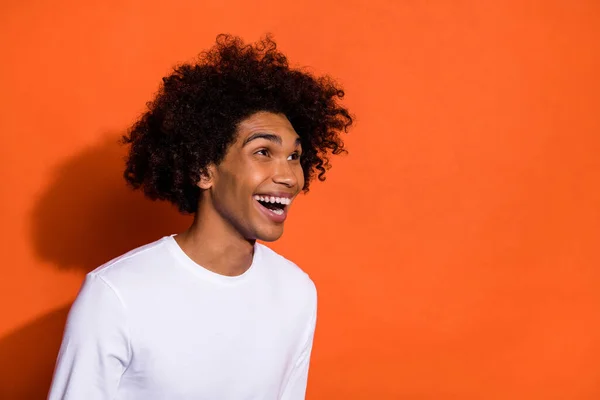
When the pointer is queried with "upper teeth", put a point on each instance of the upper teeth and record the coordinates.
(273, 199)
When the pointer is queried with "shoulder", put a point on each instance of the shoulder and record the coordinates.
(139, 264)
(288, 275)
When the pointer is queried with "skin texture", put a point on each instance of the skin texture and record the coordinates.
(229, 219)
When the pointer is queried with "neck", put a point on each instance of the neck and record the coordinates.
(215, 245)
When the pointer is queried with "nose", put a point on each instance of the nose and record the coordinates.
(284, 174)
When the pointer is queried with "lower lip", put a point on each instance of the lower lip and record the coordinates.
(271, 215)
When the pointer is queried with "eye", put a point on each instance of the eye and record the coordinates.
(294, 156)
(262, 152)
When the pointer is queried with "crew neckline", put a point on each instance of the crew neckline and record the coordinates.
(205, 273)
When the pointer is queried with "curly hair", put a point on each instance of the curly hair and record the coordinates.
(195, 114)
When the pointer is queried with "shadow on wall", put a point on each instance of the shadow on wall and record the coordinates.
(85, 217)
(27, 357)
(88, 215)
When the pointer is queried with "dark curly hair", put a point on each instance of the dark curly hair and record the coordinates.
(195, 114)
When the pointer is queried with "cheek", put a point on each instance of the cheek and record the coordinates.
(300, 176)
(255, 176)
(247, 179)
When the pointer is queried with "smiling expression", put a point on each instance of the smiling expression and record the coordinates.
(255, 184)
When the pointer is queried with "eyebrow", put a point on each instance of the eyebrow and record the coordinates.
(267, 136)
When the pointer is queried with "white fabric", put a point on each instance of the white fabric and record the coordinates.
(152, 324)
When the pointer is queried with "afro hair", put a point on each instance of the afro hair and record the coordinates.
(195, 114)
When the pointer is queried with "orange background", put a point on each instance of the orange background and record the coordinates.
(455, 248)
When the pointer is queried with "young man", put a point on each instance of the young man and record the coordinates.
(210, 313)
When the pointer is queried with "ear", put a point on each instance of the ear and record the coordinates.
(207, 177)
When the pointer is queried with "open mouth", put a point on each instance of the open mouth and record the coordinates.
(276, 205)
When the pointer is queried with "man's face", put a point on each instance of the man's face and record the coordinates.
(254, 185)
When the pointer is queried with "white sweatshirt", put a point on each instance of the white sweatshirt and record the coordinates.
(152, 324)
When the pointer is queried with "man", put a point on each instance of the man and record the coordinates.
(210, 313)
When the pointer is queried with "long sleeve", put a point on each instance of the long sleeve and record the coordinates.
(295, 388)
(95, 350)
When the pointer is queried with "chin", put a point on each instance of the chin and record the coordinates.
(269, 235)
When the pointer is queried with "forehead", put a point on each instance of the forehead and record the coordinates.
(267, 122)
